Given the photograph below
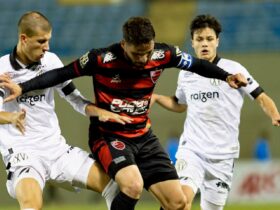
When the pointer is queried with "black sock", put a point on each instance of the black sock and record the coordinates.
(123, 202)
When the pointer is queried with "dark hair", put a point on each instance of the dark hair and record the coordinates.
(204, 21)
(138, 30)
(30, 22)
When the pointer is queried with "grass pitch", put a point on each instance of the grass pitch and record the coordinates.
(148, 206)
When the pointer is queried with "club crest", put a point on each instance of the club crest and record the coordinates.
(119, 145)
(155, 75)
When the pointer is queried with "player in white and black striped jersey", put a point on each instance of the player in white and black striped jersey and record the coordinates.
(209, 143)
(42, 154)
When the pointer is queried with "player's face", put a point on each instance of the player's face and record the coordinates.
(139, 55)
(34, 47)
(205, 43)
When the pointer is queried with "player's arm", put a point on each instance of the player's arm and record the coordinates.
(104, 115)
(15, 118)
(269, 107)
(168, 102)
(204, 68)
(80, 67)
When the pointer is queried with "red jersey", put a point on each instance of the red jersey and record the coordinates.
(123, 89)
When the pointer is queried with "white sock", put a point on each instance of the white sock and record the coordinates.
(110, 192)
(28, 209)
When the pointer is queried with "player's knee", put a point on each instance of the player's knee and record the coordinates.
(29, 203)
(133, 188)
(178, 203)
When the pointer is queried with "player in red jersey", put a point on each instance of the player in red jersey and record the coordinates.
(124, 76)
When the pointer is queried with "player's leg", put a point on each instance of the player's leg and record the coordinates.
(117, 159)
(217, 183)
(170, 194)
(29, 194)
(190, 170)
(100, 182)
(26, 180)
(131, 185)
(159, 174)
(80, 170)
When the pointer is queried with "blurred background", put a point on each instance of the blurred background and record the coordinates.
(251, 36)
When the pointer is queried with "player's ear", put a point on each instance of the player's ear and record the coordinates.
(123, 43)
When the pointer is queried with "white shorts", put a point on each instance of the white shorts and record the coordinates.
(70, 170)
(212, 177)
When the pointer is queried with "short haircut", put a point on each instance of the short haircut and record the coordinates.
(31, 22)
(138, 30)
(204, 21)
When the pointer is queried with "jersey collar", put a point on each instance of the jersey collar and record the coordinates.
(17, 66)
(216, 59)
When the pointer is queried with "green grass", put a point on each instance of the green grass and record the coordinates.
(149, 206)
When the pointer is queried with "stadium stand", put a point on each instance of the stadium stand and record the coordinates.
(248, 26)
(76, 29)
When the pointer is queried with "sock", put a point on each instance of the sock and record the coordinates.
(110, 192)
(123, 202)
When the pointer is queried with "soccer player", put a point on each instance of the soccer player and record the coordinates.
(124, 76)
(209, 143)
(42, 154)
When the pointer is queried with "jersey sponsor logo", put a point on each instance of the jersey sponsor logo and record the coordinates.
(155, 75)
(222, 185)
(108, 57)
(204, 96)
(84, 60)
(116, 79)
(215, 82)
(158, 55)
(181, 165)
(119, 145)
(31, 100)
(186, 61)
(136, 107)
(178, 51)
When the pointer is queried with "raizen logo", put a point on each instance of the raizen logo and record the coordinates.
(204, 96)
(31, 100)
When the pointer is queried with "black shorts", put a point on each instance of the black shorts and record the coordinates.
(115, 153)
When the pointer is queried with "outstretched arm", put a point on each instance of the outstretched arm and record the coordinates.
(210, 70)
(48, 79)
(269, 107)
(168, 102)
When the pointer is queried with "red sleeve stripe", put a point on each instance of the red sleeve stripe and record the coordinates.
(76, 68)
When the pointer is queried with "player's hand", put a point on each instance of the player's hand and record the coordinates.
(18, 120)
(5, 77)
(15, 89)
(276, 121)
(237, 81)
(105, 116)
